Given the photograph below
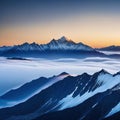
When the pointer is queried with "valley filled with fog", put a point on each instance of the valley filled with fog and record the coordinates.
(14, 73)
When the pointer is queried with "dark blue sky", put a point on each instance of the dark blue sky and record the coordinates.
(27, 10)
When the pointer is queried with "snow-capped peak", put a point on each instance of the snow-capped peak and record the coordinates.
(61, 44)
(66, 44)
(63, 39)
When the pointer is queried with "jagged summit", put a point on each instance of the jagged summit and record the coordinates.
(64, 43)
(103, 71)
(26, 43)
(63, 39)
(64, 73)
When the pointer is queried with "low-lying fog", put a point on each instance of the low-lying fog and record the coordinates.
(14, 73)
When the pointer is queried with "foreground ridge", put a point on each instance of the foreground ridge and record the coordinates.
(84, 97)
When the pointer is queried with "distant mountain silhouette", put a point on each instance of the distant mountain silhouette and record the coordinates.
(54, 49)
(110, 48)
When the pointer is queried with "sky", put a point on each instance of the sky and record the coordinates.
(93, 22)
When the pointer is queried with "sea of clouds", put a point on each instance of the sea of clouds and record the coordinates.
(14, 73)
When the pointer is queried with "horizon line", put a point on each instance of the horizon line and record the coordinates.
(64, 37)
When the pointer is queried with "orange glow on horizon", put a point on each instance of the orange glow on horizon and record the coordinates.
(94, 30)
(92, 43)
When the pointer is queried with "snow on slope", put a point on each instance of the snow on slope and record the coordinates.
(114, 110)
(64, 44)
(107, 80)
(61, 44)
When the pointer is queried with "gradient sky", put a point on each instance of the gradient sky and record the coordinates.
(93, 22)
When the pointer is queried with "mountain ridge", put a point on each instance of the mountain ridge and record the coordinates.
(31, 88)
(77, 91)
(54, 49)
(62, 41)
(110, 48)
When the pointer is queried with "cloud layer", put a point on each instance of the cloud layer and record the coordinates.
(14, 73)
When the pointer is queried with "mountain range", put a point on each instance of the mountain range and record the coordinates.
(81, 97)
(62, 47)
(110, 48)
(55, 48)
